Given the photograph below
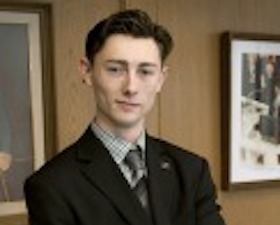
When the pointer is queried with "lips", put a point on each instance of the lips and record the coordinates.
(127, 106)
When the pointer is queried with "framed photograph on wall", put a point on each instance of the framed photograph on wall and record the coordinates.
(27, 134)
(250, 110)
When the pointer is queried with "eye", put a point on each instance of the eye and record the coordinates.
(115, 70)
(146, 71)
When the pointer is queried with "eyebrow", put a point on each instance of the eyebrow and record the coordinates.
(125, 63)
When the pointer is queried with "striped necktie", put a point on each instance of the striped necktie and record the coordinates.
(139, 180)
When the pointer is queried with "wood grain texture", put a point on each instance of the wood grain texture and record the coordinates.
(190, 104)
(188, 110)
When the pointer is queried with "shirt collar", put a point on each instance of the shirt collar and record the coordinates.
(117, 146)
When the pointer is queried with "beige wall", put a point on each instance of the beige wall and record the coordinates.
(188, 110)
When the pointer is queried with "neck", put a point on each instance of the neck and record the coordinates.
(129, 133)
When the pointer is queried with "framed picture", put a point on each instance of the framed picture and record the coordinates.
(250, 110)
(27, 134)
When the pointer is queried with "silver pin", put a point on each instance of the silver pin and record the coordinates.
(165, 165)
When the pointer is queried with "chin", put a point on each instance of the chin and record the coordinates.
(126, 123)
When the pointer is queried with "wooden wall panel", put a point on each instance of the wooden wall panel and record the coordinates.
(188, 110)
(190, 104)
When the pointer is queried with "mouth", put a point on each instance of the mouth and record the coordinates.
(128, 106)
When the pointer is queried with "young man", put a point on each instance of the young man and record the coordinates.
(116, 174)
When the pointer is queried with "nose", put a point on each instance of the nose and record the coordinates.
(130, 86)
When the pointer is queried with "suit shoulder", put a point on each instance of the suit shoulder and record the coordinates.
(177, 152)
(66, 163)
(189, 165)
(56, 166)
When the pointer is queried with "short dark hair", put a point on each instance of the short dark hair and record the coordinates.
(131, 22)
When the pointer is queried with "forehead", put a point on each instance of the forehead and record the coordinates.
(130, 49)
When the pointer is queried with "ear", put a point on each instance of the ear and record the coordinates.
(85, 69)
(164, 74)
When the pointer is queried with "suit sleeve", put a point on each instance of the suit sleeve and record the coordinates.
(208, 211)
(45, 204)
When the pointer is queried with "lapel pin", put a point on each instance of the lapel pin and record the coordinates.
(165, 165)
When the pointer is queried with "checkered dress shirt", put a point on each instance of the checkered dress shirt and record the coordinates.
(118, 148)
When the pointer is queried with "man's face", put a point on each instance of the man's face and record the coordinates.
(126, 75)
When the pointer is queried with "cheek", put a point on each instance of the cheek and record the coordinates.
(154, 88)
(150, 97)
(104, 93)
(100, 92)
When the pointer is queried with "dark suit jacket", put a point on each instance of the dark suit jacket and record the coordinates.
(84, 186)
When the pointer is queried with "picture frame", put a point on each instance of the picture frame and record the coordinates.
(250, 94)
(27, 106)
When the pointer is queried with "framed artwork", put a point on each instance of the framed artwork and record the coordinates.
(27, 134)
(250, 110)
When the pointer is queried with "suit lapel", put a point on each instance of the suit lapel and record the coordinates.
(100, 169)
(162, 182)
